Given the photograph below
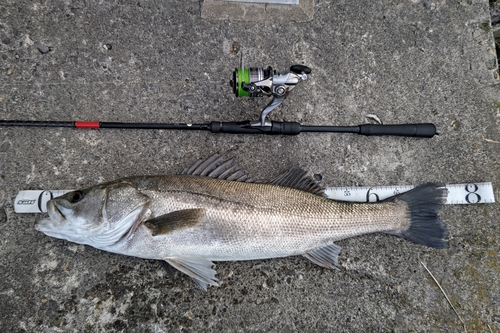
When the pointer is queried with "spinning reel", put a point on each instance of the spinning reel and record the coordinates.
(257, 82)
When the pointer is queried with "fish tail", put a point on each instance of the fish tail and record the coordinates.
(425, 226)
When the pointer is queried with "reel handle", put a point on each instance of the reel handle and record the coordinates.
(425, 130)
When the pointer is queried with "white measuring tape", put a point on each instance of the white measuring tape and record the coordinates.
(458, 194)
(35, 201)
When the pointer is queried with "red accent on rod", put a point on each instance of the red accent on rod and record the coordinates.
(87, 124)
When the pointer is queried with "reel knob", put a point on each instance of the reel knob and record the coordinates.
(299, 69)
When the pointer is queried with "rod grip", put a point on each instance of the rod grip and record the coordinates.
(426, 130)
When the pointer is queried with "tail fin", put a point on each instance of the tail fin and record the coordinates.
(425, 227)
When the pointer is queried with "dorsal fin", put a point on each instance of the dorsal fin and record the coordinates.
(298, 179)
(217, 166)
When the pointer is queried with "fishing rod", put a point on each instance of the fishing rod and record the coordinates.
(253, 82)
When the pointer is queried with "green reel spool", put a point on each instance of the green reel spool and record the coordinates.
(247, 76)
(241, 75)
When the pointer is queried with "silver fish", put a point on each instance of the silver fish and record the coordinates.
(215, 212)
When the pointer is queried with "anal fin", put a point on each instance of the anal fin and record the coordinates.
(327, 256)
(199, 269)
(168, 268)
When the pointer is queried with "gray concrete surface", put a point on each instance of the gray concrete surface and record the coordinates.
(159, 61)
(257, 11)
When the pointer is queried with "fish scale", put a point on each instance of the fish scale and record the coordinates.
(297, 206)
(192, 220)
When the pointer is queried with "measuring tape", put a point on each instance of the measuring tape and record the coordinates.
(458, 194)
(35, 201)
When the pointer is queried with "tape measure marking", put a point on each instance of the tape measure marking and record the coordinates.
(35, 201)
(458, 194)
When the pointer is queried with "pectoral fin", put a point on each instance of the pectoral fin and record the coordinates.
(327, 256)
(176, 220)
(199, 269)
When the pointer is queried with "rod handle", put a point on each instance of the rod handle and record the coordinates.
(425, 130)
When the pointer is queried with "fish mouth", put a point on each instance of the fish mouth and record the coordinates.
(56, 217)
(54, 211)
(58, 211)
(44, 225)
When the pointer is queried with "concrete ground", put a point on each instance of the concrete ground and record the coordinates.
(160, 61)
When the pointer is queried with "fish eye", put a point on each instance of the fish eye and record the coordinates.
(76, 196)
